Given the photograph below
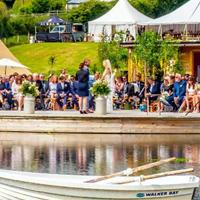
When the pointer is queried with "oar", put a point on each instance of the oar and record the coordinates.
(132, 171)
(169, 173)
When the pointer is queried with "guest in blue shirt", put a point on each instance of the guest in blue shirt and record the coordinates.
(179, 90)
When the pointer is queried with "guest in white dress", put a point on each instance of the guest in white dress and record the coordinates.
(15, 92)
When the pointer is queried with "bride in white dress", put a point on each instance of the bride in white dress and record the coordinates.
(109, 77)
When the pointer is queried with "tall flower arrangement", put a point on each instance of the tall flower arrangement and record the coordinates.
(100, 88)
(28, 88)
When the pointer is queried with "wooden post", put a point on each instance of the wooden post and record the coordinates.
(145, 85)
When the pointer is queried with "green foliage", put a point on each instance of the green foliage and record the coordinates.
(156, 8)
(57, 4)
(52, 62)
(117, 55)
(169, 55)
(156, 54)
(20, 4)
(3, 8)
(19, 25)
(100, 88)
(28, 88)
(16, 40)
(88, 11)
(181, 160)
(146, 51)
(41, 6)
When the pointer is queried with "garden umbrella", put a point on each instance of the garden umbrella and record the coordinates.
(8, 67)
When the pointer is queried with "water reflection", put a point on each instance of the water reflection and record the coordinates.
(95, 154)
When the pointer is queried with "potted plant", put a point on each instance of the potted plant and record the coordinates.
(30, 91)
(100, 90)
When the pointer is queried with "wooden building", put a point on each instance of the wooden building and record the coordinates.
(189, 57)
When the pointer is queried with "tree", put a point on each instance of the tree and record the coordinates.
(40, 6)
(169, 55)
(117, 55)
(88, 11)
(146, 52)
(157, 56)
(52, 61)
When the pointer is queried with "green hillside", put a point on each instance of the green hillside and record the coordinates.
(68, 55)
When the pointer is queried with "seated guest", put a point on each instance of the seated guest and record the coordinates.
(179, 91)
(2, 89)
(119, 87)
(52, 92)
(153, 91)
(30, 78)
(44, 90)
(166, 93)
(140, 86)
(7, 92)
(53, 81)
(37, 81)
(63, 90)
(191, 91)
(16, 93)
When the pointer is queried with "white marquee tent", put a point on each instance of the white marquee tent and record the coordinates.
(186, 16)
(122, 16)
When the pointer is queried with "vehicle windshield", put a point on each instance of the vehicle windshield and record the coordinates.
(58, 29)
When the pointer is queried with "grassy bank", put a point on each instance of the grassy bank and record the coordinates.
(68, 56)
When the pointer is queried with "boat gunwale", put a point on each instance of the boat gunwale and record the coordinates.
(23, 177)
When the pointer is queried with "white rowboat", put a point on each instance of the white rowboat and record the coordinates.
(33, 186)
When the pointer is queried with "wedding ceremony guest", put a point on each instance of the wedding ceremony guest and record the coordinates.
(63, 91)
(7, 94)
(37, 81)
(119, 87)
(179, 91)
(166, 92)
(140, 87)
(153, 91)
(16, 93)
(83, 86)
(44, 90)
(191, 92)
(53, 81)
(30, 78)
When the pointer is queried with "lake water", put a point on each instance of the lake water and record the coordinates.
(96, 154)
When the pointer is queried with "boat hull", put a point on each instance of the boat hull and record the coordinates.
(31, 186)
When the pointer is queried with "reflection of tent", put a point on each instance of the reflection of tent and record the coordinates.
(187, 14)
(8, 67)
(54, 20)
(6, 54)
(123, 16)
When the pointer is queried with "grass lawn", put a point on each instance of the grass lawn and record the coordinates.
(68, 56)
